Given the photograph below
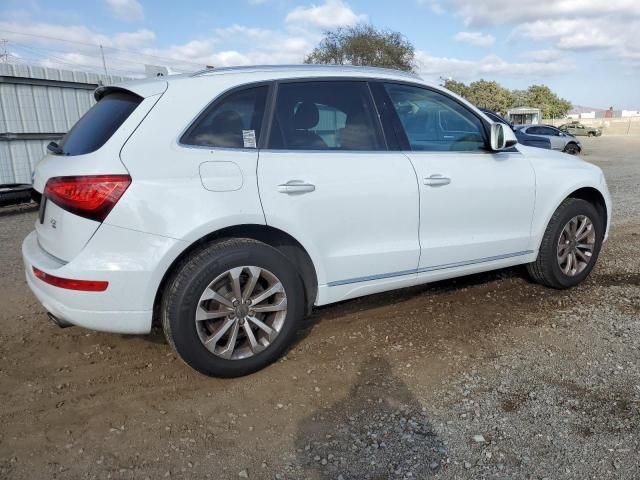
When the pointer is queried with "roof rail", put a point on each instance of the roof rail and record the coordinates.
(307, 67)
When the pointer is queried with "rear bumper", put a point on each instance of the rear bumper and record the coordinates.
(109, 321)
(132, 262)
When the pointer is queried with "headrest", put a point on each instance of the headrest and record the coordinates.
(306, 116)
(227, 121)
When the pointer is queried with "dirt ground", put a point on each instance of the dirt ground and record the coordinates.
(488, 376)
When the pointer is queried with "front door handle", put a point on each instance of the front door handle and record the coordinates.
(437, 180)
(296, 186)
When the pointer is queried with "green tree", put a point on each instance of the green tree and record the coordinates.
(519, 98)
(551, 105)
(483, 94)
(492, 95)
(366, 46)
(489, 94)
(456, 87)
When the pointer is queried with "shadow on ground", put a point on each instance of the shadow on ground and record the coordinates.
(378, 431)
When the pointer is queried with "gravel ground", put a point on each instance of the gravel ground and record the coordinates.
(488, 376)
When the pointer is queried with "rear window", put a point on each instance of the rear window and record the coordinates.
(99, 123)
(233, 122)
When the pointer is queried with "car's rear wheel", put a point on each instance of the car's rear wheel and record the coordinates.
(572, 149)
(232, 307)
(570, 245)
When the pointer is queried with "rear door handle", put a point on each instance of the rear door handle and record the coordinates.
(437, 180)
(296, 186)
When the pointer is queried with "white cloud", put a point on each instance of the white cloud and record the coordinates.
(573, 25)
(431, 66)
(127, 52)
(544, 55)
(500, 12)
(242, 33)
(46, 33)
(332, 13)
(434, 5)
(478, 39)
(135, 40)
(129, 10)
(576, 34)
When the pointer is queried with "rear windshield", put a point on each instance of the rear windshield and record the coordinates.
(99, 123)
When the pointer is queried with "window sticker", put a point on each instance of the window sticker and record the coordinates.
(249, 138)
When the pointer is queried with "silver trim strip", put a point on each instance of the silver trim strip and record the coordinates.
(305, 67)
(427, 269)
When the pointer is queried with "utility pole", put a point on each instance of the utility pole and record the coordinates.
(104, 63)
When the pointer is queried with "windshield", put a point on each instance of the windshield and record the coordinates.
(99, 123)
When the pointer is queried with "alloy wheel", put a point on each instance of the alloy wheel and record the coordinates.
(576, 245)
(241, 312)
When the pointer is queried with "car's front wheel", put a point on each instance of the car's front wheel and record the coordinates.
(232, 307)
(570, 245)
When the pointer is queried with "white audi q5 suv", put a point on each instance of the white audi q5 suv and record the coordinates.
(227, 203)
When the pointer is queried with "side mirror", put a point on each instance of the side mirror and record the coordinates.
(502, 137)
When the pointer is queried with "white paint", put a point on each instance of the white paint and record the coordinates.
(369, 225)
(221, 176)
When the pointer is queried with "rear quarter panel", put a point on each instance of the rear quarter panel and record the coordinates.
(167, 196)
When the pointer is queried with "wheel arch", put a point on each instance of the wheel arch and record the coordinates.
(276, 238)
(588, 193)
(594, 197)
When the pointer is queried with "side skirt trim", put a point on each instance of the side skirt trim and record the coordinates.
(428, 269)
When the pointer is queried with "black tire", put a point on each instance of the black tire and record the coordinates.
(546, 270)
(190, 280)
(571, 149)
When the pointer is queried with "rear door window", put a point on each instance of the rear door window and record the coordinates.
(325, 115)
(552, 132)
(99, 123)
(233, 122)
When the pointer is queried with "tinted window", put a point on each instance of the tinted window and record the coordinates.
(233, 122)
(548, 131)
(99, 123)
(433, 121)
(325, 116)
(534, 131)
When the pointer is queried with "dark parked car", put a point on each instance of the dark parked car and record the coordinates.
(14, 194)
(523, 138)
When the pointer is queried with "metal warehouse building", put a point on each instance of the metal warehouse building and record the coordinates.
(524, 116)
(37, 105)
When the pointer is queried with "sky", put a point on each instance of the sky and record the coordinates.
(588, 51)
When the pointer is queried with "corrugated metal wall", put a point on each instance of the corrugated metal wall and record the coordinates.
(38, 104)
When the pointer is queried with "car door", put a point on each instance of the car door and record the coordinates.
(327, 178)
(557, 142)
(475, 205)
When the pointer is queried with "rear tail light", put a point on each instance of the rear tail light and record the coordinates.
(70, 284)
(91, 197)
